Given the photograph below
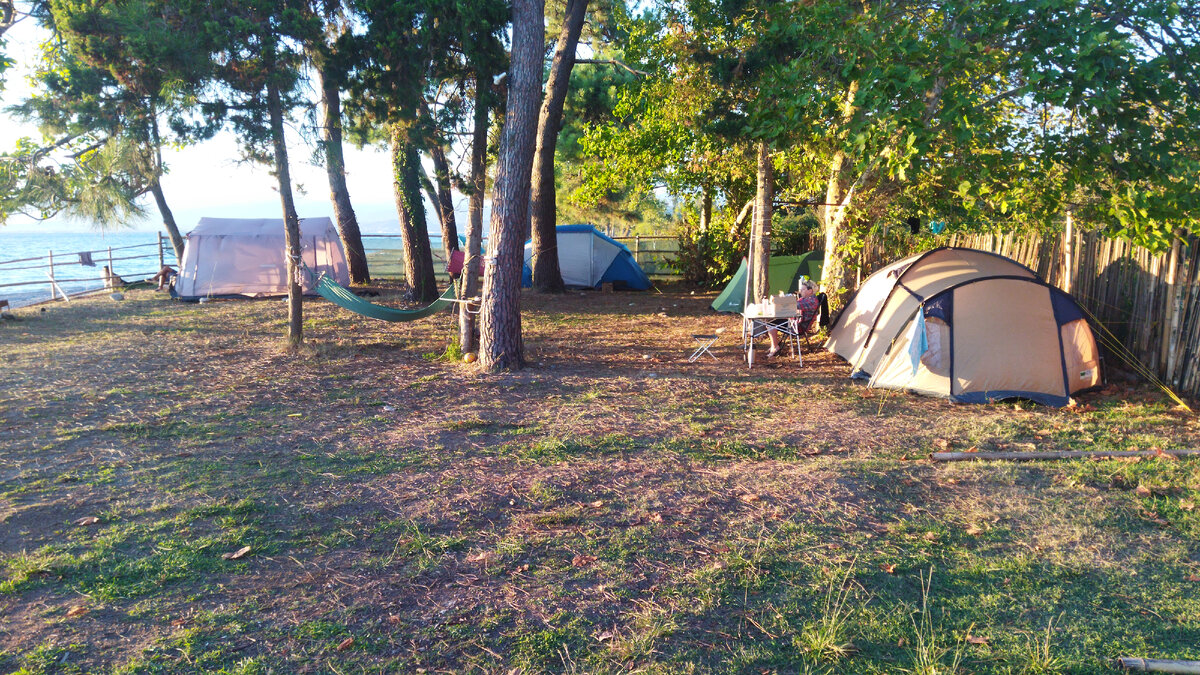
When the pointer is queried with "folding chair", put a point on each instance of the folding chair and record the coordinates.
(703, 342)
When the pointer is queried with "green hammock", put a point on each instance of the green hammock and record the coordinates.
(342, 297)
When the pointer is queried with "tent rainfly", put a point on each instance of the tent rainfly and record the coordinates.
(229, 257)
(588, 258)
(783, 276)
(967, 325)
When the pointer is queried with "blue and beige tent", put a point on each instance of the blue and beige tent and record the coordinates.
(783, 276)
(587, 258)
(967, 325)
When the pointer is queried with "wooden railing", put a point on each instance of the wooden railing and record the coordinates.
(72, 269)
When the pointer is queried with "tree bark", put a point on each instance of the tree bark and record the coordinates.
(500, 318)
(335, 168)
(547, 277)
(760, 231)
(410, 208)
(160, 199)
(837, 274)
(706, 200)
(467, 338)
(445, 198)
(168, 219)
(291, 222)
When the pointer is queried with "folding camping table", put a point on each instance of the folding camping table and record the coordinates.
(755, 326)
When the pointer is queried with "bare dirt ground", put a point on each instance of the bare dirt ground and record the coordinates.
(612, 508)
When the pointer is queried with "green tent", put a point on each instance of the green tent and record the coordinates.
(783, 274)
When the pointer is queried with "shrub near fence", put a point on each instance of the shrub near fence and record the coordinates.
(1149, 301)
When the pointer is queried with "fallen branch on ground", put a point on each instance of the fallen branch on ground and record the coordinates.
(1158, 665)
(1057, 454)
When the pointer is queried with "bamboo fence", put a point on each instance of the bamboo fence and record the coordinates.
(1149, 301)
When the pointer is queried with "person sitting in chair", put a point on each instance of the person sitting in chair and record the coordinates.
(808, 304)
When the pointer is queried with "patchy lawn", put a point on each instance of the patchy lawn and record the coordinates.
(612, 508)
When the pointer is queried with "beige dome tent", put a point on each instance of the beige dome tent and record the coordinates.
(968, 325)
(245, 256)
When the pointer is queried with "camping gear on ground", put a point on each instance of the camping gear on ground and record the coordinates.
(968, 325)
(230, 257)
(783, 275)
(587, 258)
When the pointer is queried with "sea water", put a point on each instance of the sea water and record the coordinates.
(138, 262)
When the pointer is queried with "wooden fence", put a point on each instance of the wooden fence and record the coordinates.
(1150, 302)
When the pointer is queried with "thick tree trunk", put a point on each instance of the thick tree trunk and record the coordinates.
(706, 200)
(410, 208)
(445, 200)
(335, 167)
(291, 222)
(760, 232)
(547, 277)
(500, 320)
(168, 219)
(467, 338)
(837, 274)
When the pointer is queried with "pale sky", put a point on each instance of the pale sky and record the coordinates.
(207, 180)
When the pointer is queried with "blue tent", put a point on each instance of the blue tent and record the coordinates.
(588, 258)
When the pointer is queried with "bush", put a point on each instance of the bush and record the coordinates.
(710, 257)
(791, 233)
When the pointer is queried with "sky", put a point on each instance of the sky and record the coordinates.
(208, 180)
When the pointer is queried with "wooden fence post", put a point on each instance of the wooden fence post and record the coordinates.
(1068, 245)
(53, 294)
(161, 261)
(1174, 309)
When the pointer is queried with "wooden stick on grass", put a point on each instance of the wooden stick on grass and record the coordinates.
(1057, 454)
(1158, 665)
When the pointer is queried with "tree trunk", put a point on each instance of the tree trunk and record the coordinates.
(291, 222)
(168, 219)
(837, 274)
(335, 167)
(470, 285)
(760, 232)
(500, 318)
(160, 199)
(706, 209)
(410, 208)
(547, 277)
(445, 198)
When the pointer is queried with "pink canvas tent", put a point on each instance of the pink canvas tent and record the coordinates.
(246, 256)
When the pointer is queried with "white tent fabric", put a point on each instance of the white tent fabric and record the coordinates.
(246, 256)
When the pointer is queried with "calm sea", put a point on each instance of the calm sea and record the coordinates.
(135, 255)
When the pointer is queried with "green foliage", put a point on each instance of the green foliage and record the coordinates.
(709, 256)
(969, 113)
(791, 232)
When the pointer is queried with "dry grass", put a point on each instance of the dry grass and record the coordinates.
(610, 508)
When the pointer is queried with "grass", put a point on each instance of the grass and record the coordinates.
(610, 509)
